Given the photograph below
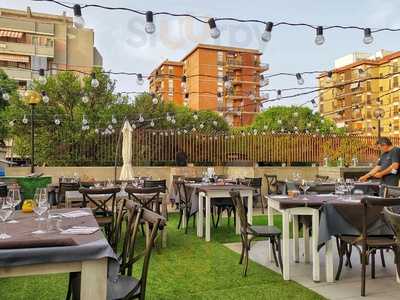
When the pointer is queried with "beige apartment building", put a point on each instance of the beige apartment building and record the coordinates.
(204, 69)
(360, 87)
(33, 41)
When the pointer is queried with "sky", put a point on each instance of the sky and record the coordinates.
(121, 40)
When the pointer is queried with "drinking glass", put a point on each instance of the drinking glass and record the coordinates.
(39, 209)
(5, 213)
(304, 186)
(13, 199)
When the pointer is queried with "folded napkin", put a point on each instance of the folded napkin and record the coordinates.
(80, 230)
(37, 243)
(75, 214)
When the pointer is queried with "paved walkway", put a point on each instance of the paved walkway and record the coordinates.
(347, 288)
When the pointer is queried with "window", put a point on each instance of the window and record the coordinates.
(170, 86)
(170, 70)
(395, 82)
(368, 86)
(220, 74)
(220, 57)
(381, 88)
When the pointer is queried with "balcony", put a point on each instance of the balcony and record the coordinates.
(18, 74)
(26, 49)
(27, 26)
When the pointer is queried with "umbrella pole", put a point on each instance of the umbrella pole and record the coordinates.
(117, 151)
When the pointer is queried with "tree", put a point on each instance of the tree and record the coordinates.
(8, 92)
(293, 119)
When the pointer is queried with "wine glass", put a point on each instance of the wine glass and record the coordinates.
(13, 199)
(5, 213)
(41, 204)
(304, 186)
(40, 208)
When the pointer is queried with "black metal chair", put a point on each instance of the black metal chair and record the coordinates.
(275, 186)
(148, 197)
(256, 183)
(249, 232)
(184, 203)
(368, 244)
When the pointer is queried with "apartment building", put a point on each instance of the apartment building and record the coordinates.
(205, 70)
(360, 87)
(33, 41)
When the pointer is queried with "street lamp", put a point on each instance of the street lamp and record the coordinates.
(379, 113)
(32, 98)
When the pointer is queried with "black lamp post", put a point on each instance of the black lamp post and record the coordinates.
(379, 113)
(32, 98)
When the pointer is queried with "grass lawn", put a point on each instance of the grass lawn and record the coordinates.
(189, 267)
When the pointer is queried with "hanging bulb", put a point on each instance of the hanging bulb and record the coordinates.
(266, 36)
(57, 121)
(185, 131)
(139, 79)
(168, 117)
(84, 120)
(329, 76)
(94, 83)
(320, 39)
(85, 99)
(78, 21)
(227, 82)
(300, 80)
(113, 120)
(45, 98)
(25, 120)
(279, 121)
(42, 77)
(309, 125)
(183, 82)
(219, 97)
(215, 123)
(194, 129)
(263, 81)
(214, 31)
(368, 38)
(154, 99)
(150, 28)
(141, 119)
(152, 124)
(110, 127)
(295, 114)
(314, 103)
(133, 125)
(195, 116)
(279, 94)
(5, 96)
(265, 127)
(96, 131)
(11, 123)
(173, 121)
(201, 126)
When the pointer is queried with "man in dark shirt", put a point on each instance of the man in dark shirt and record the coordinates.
(387, 168)
(181, 158)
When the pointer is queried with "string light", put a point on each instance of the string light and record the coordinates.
(11, 123)
(78, 20)
(57, 121)
(168, 117)
(4, 95)
(150, 28)
(214, 31)
(195, 116)
(85, 99)
(141, 119)
(114, 120)
(84, 121)
(45, 97)
(25, 120)
(219, 97)
(201, 126)
(154, 99)
(368, 38)
(300, 79)
(266, 36)
(173, 121)
(152, 123)
(42, 77)
(263, 81)
(139, 79)
(320, 39)
(279, 94)
(94, 82)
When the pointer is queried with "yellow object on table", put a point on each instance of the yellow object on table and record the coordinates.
(27, 207)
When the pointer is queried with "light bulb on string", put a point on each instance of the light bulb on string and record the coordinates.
(5, 96)
(113, 120)
(96, 131)
(42, 77)
(94, 82)
(133, 125)
(84, 120)
(195, 116)
(150, 27)
(368, 38)
(154, 99)
(183, 82)
(295, 114)
(45, 97)
(279, 121)
(263, 81)
(214, 31)
(267, 34)
(168, 117)
(152, 123)
(25, 120)
(215, 123)
(201, 126)
(110, 127)
(300, 79)
(319, 39)
(227, 82)
(279, 94)
(85, 99)
(314, 103)
(141, 119)
(139, 79)
(11, 123)
(194, 129)
(219, 97)
(173, 121)
(78, 20)
(185, 131)
(57, 121)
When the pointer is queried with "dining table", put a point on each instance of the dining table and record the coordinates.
(202, 195)
(28, 254)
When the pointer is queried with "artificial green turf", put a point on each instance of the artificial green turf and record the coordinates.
(187, 268)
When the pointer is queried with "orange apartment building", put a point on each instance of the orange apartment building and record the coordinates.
(205, 68)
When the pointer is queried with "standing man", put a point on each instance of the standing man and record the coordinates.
(387, 168)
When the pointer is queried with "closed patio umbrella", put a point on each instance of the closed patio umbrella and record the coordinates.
(127, 169)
